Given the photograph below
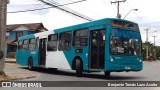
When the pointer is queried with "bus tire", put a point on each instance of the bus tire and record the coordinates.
(78, 68)
(107, 74)
(30, 64)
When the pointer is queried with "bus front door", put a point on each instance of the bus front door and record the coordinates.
(97, 49)
(42, 51)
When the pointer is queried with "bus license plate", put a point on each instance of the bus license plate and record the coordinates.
(127, 67)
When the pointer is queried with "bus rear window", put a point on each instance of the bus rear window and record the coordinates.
(20, 44)
(25, 44)
(32, 44)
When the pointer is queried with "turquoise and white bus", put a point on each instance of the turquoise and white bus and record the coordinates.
(106, 45)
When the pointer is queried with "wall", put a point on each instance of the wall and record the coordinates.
(12, 34)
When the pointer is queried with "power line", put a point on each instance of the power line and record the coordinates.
(67, 10)
(87, 10)
(30, 10)
(46, 7)
(24, 4)
(131, 8)
(151, 33)
(123, 9)
(104, 1)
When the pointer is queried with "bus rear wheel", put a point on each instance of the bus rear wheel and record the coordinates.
(78, 68)
(30, 64)
(107, 74)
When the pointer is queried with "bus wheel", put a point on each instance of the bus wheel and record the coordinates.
(78, 68)
(30, 64)
(107, 74)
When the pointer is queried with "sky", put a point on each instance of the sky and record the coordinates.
(147, 16)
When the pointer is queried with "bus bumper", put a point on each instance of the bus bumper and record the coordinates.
(120, 68)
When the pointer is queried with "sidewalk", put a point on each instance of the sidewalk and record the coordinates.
(10, 60)
(17, 72)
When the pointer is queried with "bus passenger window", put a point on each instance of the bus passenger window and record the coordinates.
(65, 41)
(52, 42)
(20, 44)
(25, 44)
(32, 44)
(80, 38)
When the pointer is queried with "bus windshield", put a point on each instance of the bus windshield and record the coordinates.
(124, 24)
(125, 42)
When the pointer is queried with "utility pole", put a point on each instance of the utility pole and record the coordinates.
(154, 47)
(154, 40)
(118, 3)
(3, 10)
(147, 44)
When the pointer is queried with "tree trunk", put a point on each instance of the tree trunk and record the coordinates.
(3, 8)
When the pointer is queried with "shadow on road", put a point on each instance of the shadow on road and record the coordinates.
(85, 74)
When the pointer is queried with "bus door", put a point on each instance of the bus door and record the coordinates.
(42, 51)
(97, 49)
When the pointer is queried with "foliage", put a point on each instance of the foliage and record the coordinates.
(151, 49)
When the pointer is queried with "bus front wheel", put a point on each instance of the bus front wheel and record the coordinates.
(30, 64)
(107, 74)
(78, 68)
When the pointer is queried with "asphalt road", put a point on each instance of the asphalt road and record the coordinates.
(150, 72)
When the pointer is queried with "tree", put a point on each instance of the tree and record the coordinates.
(158, 52)
(150, 50)
(3, 10)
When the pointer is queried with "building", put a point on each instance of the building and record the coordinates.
(16, 30)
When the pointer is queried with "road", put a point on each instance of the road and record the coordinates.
(150, 72)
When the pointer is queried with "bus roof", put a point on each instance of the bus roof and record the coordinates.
(40, 34)
(73, 27)
(89, 24)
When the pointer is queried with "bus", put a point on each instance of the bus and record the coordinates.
(106, 45)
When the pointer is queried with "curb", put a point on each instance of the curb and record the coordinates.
(19, 78)
(10, 61)
(24, 78)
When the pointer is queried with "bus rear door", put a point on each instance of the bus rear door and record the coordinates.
(42, 51)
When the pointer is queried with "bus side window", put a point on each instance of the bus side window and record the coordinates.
(65, 41)
(80, 38)
(52, 42)
(32, 44)
(25, 44)
(20, 44)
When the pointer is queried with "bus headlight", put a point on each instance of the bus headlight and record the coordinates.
(140, 60)
(111, 59)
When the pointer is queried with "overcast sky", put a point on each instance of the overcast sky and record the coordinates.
(147, 16)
